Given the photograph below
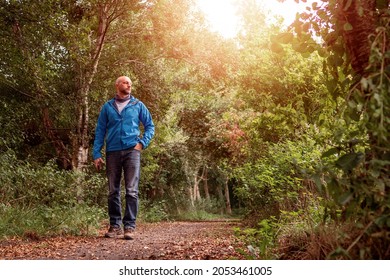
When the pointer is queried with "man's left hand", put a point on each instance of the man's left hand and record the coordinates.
(138, 147)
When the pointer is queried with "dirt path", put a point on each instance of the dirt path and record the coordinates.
(162, 241)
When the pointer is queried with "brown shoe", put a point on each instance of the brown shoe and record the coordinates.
(113, 231)
(129, 233)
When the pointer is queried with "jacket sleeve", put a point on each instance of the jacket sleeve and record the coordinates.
(100, 133)
(147, 122)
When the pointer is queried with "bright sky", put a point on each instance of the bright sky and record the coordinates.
(222, 18)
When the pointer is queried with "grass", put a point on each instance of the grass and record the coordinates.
(42, 221)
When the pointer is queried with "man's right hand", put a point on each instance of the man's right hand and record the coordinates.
(99, 164)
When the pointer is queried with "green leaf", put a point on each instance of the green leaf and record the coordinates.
(380, 186)
(349, 161)
(360, 11)
(347, 26)
(300, 47)
(335, 60)
(306, 26)
(352, 104)
(321, 52)
(322, 14)
(276, 47)
(330, 152)
(345, 198)
(317, 180)
(284, 38)
(381, 221)
(354, 114)
(364, 83)
(331, 85)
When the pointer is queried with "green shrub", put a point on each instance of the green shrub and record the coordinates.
(45, 200)
(153, 212)
(261, 239)
(44, 221)
(275, 182)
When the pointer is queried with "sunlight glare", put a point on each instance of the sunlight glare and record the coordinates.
(221, 15)
(222, 18)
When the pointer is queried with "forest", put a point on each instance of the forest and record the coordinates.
(283, 127)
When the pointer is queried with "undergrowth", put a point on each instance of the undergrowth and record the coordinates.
(162, 211)
(44, 200)
(307, 236)
(43, 221)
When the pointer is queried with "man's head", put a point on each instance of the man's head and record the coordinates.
(123, 85)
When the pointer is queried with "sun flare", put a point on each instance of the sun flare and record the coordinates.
(221, 14)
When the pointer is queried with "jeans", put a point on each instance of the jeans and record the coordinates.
(129, 161)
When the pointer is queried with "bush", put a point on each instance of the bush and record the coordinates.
(153, 212)
(276, 182)
(43, 221)
(45, 200)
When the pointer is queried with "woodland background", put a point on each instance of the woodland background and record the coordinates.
(286, 128)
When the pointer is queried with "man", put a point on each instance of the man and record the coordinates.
(118, 125)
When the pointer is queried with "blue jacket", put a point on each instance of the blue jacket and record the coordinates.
(121, 131)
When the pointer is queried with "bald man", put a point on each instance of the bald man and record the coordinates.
(118, 126)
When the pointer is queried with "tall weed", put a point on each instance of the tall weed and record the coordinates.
(45, 200)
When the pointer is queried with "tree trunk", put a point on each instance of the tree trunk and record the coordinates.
(191, 196)
(81, 141)
(221, 197)
(61, 151)
(205, 184)
(196, 191)
(227, 198)
(362, 16)
(172, 191)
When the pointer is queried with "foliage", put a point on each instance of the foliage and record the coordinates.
(280, 237)
(353, 172)
(46, 200)
(35, 222)
(153, 212)
(13, 137)
(261, 239)
(276, 181)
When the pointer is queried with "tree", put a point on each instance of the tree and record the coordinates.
(355, 36)
(29, 38)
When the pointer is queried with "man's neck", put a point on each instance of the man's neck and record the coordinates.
(122, 96)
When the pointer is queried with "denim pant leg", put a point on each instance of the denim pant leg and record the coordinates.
(114, 173)
(131, 168)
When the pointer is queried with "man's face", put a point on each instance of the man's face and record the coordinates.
(124, 86)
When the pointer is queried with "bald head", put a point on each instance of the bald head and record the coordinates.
(123, 85)
(121, 79)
